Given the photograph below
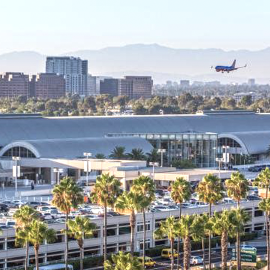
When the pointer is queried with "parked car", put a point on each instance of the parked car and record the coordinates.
(196, 260)
(148, 262)
(166, 253)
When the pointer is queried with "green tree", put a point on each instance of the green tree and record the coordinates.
(136, 154)
(263, 181)
(23, 217)
(153, 155)
(221, 225)
(105, 193)
(100, 156)
(118, 152)
(130, 201)
(186, 231)
(37, 233)
(264, 205)
(238, 218)
(79, 228)
(123, 261)
(210, 191)
(180, 192)
(237, 189)
(201, 228)
(67, 195)
(145, 187)
(168, 229)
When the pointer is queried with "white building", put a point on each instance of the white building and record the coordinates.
(74, 70)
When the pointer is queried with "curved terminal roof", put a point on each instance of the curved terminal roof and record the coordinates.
(252, 129)
(74, 148)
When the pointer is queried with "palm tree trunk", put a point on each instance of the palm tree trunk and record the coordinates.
(144, 237)
(66, 241)
(172, 257)
(36, 257)
(26, 256)
(238, 243)
(132, 221)
(267, 239)
(178, 242)
(203, 250)
(81, 258)
(209, 239)
(186, 253)
(224, 250)
(105, 233)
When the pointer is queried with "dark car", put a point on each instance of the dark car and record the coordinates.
(3, 207)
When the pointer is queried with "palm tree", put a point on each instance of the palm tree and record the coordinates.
(237, 189)
(186, 230)
(210, 191)
(144, 186)
(238, 219)
(180, 192)
(79, 228)
(100, 156)
(201, 228)
(67, 195)
(264, 205)
(118, 152)
(105, 193)
(136, 154)
(23, 217)
(153, 155)
(221, 225)
(123, 261)
(168, 228)
(38, 232)
(130, 201)
(263, 181)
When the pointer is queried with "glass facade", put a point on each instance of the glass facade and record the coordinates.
(19, 152)
(200, 148)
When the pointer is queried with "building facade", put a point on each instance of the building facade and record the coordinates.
(46, 86)
(135, 87)
(118, 233)
(91, 85)
(14, 84)
(73, 69)
(109, 86)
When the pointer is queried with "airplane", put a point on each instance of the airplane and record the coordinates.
(228, 68)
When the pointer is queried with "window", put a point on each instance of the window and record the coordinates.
(147, 244)
(258, 212)
(124, 228)
(111, 230)
(158, 221)
(140, 226)
(19, 152)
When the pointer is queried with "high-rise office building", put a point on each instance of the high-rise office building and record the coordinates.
(47, 85)
(75, 72)
(184, 83)
(109, 86)
(91, 85)
(14, 84)
(251, 82)
(135, 86)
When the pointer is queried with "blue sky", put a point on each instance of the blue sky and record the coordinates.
(59, 26)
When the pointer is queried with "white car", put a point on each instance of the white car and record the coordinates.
(196, 260)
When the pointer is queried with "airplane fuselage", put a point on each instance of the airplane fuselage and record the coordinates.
(224, 68)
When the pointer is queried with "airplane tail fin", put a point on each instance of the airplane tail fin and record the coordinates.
(233, 64)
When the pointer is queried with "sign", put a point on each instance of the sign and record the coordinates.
(16, 171)
(248, 255)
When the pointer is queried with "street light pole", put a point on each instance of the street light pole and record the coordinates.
(161, 151)
(58, 171)
(16, 173)
(154, 164)
(87, 155)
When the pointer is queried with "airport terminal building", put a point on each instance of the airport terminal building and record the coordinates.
(200, 138)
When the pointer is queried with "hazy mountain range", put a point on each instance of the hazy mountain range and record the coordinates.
(161, 62)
